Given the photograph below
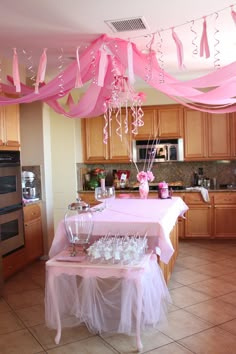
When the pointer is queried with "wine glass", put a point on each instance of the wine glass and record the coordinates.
(102, 194)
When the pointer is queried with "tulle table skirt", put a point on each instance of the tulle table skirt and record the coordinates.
(111, 299)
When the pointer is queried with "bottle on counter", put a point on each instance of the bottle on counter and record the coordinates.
(116, 182)
(195, 179)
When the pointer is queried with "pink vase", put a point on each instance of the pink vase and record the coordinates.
(144, 190)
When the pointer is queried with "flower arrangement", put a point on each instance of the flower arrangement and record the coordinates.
(145, 176)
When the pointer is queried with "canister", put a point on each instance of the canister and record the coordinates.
(163, 190)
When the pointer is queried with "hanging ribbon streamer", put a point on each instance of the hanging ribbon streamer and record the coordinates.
(61, 74)
(119, 122)
(179, 47)
(195, 47)
(216, 46)
(126, 119)
(31, 73)
(107, 118)
(160, 59)
(102, 69)
(130, 63)
(78, 80)
(15, 71)
(41, 70)
(204, 47)
(148, 67)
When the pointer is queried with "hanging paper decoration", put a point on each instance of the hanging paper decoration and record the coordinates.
(204, 47)
(41, 70)
(78, 80)
(233, 14)
(102, 67)
(179, 47)
(123, 96)
(70, 101)
(130, 63)
(15, 71)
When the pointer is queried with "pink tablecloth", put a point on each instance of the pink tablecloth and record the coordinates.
(156, 217)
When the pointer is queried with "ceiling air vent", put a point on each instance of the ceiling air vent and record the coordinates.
(128, 24)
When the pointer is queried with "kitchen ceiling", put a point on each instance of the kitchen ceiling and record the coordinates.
(63, 25)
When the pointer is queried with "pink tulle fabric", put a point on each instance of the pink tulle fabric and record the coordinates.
(105, 299)
(218, 96)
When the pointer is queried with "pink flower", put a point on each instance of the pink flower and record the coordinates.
(150, 176)
(145, 176)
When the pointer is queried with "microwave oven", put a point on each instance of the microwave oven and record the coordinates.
(158, 150)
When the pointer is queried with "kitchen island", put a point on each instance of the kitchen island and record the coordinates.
(155, 217)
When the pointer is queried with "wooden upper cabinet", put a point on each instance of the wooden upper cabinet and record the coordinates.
(170, 122)
(165, 122)
(195, 145)
(149, 129)
(117, 148)
(207, 136)
(120, 138)
(9, 127)
(94, 148)
(219, 136)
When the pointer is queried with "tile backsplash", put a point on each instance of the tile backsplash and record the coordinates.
(223, 171)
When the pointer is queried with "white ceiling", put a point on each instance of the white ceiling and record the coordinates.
(62, 25)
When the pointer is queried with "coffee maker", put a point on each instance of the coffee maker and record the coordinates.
(28, 185)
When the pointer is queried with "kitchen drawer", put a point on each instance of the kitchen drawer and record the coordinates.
(31, 212)
(194, 198)
(225, 198)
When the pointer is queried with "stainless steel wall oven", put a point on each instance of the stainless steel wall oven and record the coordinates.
(11, 209)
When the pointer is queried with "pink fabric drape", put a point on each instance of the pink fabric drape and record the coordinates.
(219, 97)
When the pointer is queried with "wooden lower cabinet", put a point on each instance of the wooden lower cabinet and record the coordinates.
(215, 219)
(198, 221)
(225, 215)
(33, 232)
(13, 263)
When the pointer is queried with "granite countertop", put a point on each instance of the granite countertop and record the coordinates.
(30, 201)
(174, 191)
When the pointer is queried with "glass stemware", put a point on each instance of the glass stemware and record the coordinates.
(102, 194)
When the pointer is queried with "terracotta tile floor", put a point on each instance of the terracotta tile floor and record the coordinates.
(201, 319)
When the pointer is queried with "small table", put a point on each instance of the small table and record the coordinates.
(107, 298)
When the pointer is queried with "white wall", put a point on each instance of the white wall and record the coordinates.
(36, 151)
(63, 162)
